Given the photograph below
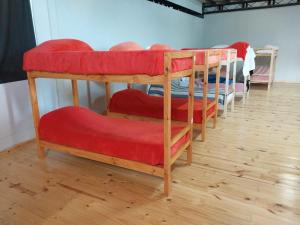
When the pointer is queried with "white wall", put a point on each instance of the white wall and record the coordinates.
(16, 123)
(101, 23)
(277, 26)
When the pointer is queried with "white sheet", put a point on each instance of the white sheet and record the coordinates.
(249, 62)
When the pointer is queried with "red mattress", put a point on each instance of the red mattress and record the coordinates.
(73, 56)
(81, 128)
(135, 102)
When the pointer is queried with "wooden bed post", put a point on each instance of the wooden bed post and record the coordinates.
(191, 111)
(233, 82)
(218, 73)
(107, 95)
(167, 124)
(228, 64)
(271, 73)
(75, 93)
(35, 113)
(204, 102)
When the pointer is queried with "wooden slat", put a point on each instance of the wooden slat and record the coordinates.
(210, 116)
(128, 164)
(180, 74)
(210, 105)
(201, 68)
(180, 134)
(179, 54)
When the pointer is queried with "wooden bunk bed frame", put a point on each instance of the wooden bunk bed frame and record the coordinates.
(164, 79)
(204, 69)
(227, 63)
(273, 53)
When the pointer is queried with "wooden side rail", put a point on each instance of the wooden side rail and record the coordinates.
(135, 78)
(180, 151)
(128, 164)
(210, 105)
(182, 133)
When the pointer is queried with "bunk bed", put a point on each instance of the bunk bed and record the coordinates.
(135, 104)
(236, 85)
(226, 90)
(228, 86)
(143, 146)
(264, 72)
(231, 84)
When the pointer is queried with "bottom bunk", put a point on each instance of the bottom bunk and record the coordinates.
(135, 102)
(80, 128)
(261, 74)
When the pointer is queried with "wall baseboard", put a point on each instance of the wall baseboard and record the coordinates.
(287, 81)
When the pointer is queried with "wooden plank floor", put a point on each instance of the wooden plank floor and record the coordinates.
(247, 172)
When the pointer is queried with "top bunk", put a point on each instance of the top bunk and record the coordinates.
(266, 52)
(74, 59)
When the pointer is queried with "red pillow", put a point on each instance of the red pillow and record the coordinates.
(64, 45)
(160, 47)
(126, 46)
(241, 48)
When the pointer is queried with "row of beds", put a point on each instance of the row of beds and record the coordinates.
(139, 131)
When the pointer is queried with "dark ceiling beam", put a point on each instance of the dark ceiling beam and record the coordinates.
(177, 7)
(218, 7)
(214, 3)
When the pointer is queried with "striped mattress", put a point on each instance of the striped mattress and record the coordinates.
(179, 91)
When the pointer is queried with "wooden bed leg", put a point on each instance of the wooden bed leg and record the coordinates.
(218, 74)
(107, 95)
(204, 104)
(167, 125)
(41, 151)
(35, 113)
(215, 120)
(233, 84)
(167, 182)
(75, 93)
(203, 130)
(271, 73)
(191, 112)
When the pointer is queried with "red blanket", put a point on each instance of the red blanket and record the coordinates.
(81, 128)
(241, 48)
(76, 57)
(135, 102)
